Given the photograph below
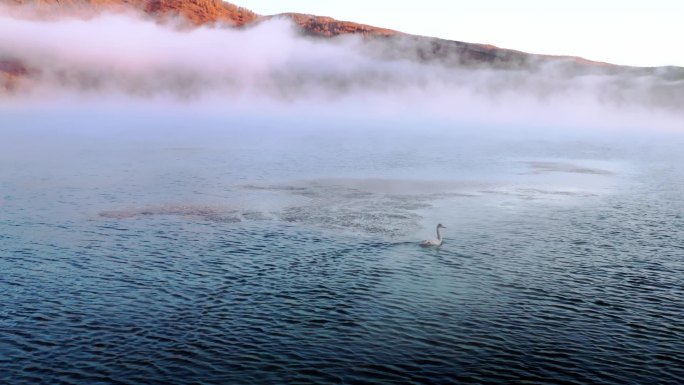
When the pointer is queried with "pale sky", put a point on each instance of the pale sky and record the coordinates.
(630, 32)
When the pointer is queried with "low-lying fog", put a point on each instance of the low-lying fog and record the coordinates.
(121, 117)
(269, 68)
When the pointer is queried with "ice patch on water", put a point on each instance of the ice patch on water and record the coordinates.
(539, 167)
(368, 206)
(205, 212)
(379, 207)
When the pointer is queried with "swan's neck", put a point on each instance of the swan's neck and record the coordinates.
(439, 236)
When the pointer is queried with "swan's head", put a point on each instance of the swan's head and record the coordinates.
(439, 226)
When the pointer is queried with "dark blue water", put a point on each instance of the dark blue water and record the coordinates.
(236, 259)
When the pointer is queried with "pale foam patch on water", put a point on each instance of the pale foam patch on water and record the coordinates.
(387, 207)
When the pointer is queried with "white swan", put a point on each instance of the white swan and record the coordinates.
(434, 242)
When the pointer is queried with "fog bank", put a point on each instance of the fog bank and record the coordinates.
(124, 62)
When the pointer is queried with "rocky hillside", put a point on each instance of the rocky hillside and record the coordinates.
(329, 27)
(197, 12)
(391, 45)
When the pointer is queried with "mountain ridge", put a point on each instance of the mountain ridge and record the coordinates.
(450, 53)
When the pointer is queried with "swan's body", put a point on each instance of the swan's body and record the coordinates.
(434, 242)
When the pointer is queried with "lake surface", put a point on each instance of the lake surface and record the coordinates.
(212, 253)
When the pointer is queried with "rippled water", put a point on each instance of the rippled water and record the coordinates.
(292, 257)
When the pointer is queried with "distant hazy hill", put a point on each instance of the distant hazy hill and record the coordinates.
(401, 46)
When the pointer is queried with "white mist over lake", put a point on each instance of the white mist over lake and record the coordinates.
(384, 176)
